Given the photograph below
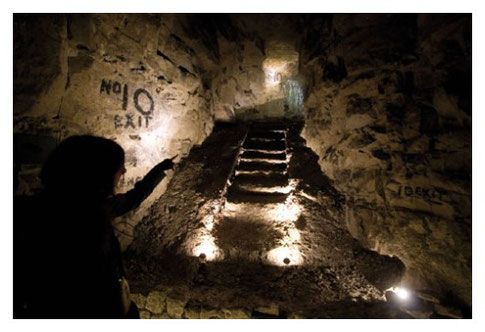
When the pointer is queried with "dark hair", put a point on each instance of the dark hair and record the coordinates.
(83, 165)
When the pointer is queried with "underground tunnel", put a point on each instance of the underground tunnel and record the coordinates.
(323, 161)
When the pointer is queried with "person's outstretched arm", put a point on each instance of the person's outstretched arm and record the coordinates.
(123, 203)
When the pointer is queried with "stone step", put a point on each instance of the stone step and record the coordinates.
(254, 154)
(267, 134)
(275, 145)
(262, 179)
(262, 166)
(262, 139)
(256, 188)
(269, 126)
(237, 195)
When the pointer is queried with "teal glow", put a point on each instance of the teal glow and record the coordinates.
(293, 97)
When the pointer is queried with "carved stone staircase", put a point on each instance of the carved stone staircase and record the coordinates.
(261, 171)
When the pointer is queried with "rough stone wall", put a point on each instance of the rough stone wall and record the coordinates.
(389, 114)
(128, 77)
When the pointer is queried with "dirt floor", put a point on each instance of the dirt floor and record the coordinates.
(249, 221)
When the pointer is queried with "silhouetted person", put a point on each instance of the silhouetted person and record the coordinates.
(67, 260)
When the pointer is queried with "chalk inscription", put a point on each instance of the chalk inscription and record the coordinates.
(137, 105)
(420, 192)
(130, 120)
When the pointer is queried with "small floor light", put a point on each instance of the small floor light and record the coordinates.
(402, 293)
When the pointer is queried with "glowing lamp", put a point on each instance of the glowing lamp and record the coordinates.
(402, 293)
(205, 250)
(283, 256)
